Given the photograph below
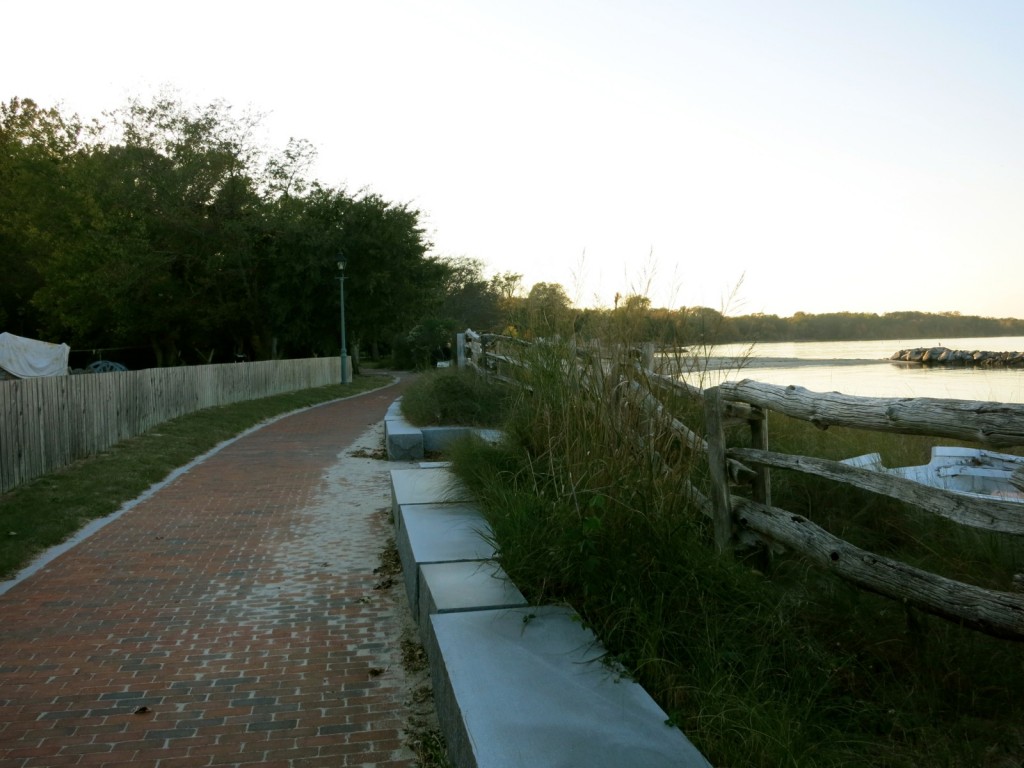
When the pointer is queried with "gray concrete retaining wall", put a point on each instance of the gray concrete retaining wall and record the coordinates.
(516, 685)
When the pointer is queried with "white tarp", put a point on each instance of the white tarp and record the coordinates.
(29, 359)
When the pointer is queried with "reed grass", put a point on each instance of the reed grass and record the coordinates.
(455, 397)
(590, 502)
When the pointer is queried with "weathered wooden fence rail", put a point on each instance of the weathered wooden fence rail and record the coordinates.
(999, 613)
(740, 506)
(46, 424)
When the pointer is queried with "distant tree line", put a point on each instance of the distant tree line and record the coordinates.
(546, 311)
(855, 326)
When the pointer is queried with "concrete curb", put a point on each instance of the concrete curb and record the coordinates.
(515, 685)
(405, 442)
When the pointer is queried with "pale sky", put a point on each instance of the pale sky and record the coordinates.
(746, 155)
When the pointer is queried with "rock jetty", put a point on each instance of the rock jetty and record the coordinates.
(945, 356)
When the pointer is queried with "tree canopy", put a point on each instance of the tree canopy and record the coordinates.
(164, 228)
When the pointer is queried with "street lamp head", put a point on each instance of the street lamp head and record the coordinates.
(342, 261)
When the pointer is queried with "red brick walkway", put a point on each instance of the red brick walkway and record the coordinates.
(233, 618)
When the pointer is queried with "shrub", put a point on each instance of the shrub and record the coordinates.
(456, 397)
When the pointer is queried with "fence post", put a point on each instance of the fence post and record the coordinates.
(762, 484)
(647, 351)
(460, 350)
(759, 439)
(721, 502)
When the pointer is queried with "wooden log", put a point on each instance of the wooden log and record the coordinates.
(992, 514)
(1000, 614)
(999, 425)
(1017, 478)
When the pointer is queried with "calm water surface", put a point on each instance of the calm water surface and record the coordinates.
(863, 368)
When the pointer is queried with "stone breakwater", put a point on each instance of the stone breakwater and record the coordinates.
(945, 356)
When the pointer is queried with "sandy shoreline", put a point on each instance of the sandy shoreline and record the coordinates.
(745, 364)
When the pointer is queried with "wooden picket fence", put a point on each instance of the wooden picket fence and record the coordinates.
(739, 503)
(48, 423)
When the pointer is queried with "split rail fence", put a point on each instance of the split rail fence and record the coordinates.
(48, 423)
(739, 503)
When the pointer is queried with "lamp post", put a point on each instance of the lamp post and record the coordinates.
(344, 352)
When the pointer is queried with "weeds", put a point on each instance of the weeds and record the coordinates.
(455, 397)
(423, 733)
(590, 500)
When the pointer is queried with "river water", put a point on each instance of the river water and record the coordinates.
(863, 368)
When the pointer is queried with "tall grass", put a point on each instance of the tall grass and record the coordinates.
(455, 397)
(590, 501)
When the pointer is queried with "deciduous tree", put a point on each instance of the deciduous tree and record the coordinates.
(36, 145)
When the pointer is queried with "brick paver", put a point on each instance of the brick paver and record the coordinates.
(233, 618)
